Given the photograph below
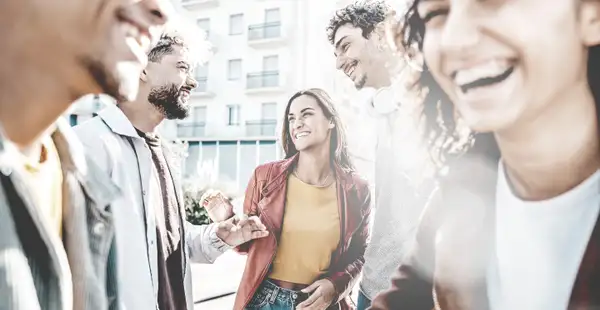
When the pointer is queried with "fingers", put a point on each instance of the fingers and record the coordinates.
(257, 223)
(310, 301)
(240, 220)
(311, 287)
(258, 234)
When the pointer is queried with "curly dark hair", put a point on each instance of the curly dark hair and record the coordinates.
(165, 46)
(361, 14)
(446, 141)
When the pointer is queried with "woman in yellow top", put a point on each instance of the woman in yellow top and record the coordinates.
(317, 212)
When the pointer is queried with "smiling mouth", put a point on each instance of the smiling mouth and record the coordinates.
(485, 74)
(137, 36)
(350, 68)
(487, 81)
(301, 135)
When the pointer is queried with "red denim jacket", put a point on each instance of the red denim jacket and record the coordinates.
(265, 197)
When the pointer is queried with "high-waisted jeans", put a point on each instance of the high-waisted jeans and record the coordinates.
(272, 297)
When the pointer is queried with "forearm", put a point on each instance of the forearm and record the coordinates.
(203, 243)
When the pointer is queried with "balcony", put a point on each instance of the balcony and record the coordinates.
(262, 81)
(261, 128)
(265, 34)
(199, 4)
(191, 130)
(201, 89)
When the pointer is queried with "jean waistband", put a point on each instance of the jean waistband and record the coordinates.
(276, 292)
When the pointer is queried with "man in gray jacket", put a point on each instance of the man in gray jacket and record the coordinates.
(357, 33)
(56, 229)
(155, 243)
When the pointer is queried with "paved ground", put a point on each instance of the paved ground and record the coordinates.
(216, 279)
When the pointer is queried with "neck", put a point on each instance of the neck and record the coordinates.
(556, 151)
(389, 65)
(26, 116)
(142, 114)
(314, 166)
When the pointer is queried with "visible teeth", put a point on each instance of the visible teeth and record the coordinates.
(301, 134)
(351, 70)
(488, 69)
(131, 31)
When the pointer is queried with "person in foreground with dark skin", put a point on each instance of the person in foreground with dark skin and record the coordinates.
(56, 226)
(521, 198)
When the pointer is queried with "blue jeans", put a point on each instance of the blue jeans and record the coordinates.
(272, 297)
(363, 302)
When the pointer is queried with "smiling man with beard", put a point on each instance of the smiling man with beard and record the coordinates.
(56, 224)
(154, 241)
(357, 35)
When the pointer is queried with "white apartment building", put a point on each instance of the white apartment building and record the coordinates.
(260, 58)
(263, 52)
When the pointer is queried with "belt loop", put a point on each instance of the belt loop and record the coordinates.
(274, 294)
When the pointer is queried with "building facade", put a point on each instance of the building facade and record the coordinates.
(263, 52)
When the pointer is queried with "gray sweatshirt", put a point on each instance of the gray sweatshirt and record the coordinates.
(399, 199)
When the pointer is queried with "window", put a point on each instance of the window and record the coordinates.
(204, 24)
(248, 161)
(234, 70)
(267, 151)
(191, 161)
(233, 115)
(272, 16)
(201, 71)
(236, 24)
(271, 63)
(199, 115)
(228, 160)
(269, 111)
(201, 76)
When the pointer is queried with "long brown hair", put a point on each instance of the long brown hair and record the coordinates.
(438, 109)
(337, 143)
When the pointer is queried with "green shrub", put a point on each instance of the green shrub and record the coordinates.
(194, 211)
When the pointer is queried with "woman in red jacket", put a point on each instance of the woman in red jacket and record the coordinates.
(317, 211)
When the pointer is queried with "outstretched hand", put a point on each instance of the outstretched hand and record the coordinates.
(241, 229)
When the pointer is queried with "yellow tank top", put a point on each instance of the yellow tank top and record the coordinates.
(310, 232)
(45, 179)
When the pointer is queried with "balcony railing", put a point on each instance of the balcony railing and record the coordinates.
(192, 2)
(262, 79)
(264, 31)
(202, 83)
(261, 128)
(190, 130)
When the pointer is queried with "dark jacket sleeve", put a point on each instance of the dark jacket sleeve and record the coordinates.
(353, 261)
(412, 284)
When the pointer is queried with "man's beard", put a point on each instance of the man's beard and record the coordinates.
(168, 101)
(361, 82)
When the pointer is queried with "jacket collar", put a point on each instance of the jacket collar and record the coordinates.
(117, 121)
(287, 165)
(95, 182)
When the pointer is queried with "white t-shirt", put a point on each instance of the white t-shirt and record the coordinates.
(539, 246)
